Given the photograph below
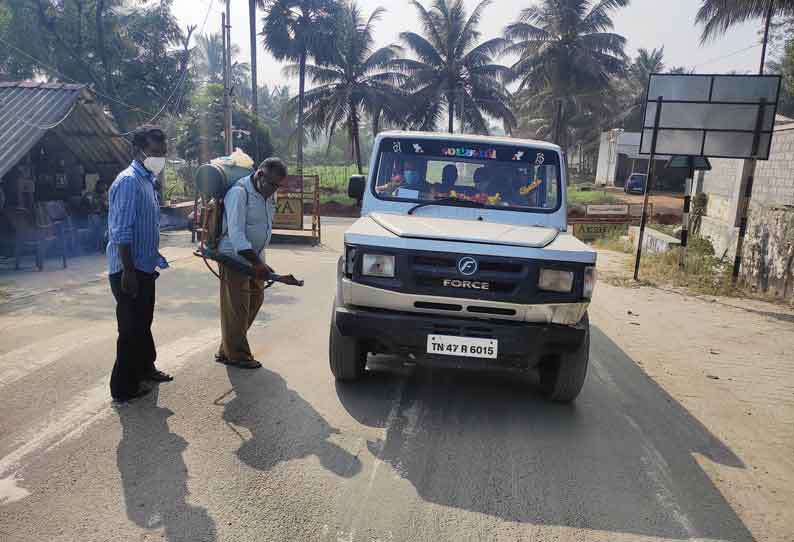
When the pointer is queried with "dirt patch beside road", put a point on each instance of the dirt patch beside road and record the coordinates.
(728, 362)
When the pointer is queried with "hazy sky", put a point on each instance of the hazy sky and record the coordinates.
(645, 24)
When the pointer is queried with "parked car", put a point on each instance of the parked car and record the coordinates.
(635, 184)
(463, 258)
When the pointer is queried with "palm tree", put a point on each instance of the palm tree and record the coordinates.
(451, 69)
(355, 79)
(566, 47)
(646, 63)
(208, 61)
(296, 30)
(719, 15)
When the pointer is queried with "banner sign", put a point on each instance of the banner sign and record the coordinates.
(593, 231)
(289, 205)
(722, 116)
(608, 210)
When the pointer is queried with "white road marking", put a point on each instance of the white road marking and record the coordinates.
(85, 409)
(19, 363)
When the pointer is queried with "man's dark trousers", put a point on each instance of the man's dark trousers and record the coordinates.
(135, 352)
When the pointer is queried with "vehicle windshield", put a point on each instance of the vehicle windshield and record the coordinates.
(499, 176)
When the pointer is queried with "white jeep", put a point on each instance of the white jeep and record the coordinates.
(462, 258)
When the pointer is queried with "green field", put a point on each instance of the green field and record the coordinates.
(577, 196)
(333, 182)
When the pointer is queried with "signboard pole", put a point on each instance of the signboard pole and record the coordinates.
(690, 175)
(744, 204)
(648, 181)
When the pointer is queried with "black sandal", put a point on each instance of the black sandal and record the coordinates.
(159, 376)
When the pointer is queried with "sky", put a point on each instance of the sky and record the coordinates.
(645, 24)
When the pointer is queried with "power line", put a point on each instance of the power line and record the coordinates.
(62, 76)
(729, 55)
(182, 80)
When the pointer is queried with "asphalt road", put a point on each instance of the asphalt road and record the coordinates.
(286, 454)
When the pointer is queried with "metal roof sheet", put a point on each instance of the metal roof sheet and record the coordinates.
(28, 110)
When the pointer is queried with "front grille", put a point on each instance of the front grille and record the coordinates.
(503, 277)
(438, 306)
(492, 310)
(509, 280)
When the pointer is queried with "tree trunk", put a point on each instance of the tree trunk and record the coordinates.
(252, 25)
(301, 91)
(375, 123)
(451, 107)
(769, 15)
(354, 137)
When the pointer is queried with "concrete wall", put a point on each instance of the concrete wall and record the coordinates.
(769, 243)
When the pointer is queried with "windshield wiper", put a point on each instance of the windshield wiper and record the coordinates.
(446, 201)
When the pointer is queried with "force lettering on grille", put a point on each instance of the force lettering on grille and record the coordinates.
(467, 284)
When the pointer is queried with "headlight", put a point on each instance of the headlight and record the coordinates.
(377, 265)
(553, 280)
(589, 282)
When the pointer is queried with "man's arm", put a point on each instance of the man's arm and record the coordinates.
(120, 230)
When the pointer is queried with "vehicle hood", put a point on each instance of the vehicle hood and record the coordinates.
(466, 230)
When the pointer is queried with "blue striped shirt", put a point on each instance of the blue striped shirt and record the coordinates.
(134, 219)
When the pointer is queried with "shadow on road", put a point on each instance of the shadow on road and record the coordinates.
(154, 475)
(282, 424)
(622, 459)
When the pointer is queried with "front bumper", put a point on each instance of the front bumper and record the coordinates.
(522, 345)
(361, 295)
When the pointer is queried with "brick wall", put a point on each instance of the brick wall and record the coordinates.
(774, 179)
(768, 256)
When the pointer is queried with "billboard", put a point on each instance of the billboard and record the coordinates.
(720, 116)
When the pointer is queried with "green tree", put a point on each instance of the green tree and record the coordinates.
(646, 63)
(355, 80)
(134, 55)
(296, 30)
(567, 53)
(451, 69)
(200, 135)
(207, 64)
(718, 16)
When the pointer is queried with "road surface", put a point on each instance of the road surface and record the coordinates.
(287, 454)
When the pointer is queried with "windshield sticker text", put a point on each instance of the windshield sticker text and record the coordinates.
(488, 154)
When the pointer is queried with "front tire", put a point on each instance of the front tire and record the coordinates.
(562, 378)
(347, 356)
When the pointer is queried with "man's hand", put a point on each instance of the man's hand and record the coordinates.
(263, 271)
(129, 283)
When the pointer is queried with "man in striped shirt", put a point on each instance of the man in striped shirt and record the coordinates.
(133, 257)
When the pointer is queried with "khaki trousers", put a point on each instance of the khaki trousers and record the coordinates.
(241, 299)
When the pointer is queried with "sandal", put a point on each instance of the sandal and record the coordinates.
(240, 364)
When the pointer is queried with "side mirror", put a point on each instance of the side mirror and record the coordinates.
(355, 188)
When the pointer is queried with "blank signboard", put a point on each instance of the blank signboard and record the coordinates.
(711, 115)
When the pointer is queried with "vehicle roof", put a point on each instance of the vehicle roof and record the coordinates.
(472, 137)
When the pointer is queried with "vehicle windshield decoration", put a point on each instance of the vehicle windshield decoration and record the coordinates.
(451, 172)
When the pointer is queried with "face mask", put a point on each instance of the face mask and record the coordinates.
(411, 176)
(155, 164)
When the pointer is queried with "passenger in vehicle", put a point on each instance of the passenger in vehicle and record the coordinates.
(449, 176)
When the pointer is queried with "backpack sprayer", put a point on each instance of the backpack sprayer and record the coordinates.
(213, 180)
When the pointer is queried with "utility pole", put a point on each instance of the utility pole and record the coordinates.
(227, 77)
(254, 89)
(748, 171)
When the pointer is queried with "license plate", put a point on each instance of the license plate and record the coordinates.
(462, 346)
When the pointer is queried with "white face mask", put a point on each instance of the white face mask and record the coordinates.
(155, 164)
